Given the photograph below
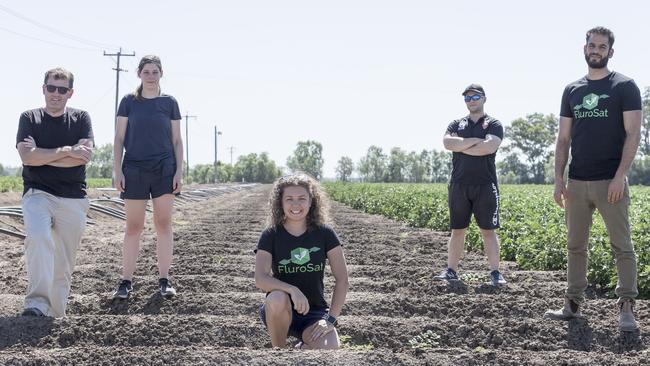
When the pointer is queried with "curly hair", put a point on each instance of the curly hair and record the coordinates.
(319, 209)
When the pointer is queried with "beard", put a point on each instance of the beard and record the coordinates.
(601, 64)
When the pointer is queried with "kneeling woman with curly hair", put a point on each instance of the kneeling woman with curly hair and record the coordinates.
(290, 264)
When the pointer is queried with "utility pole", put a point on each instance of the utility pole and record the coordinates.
(216, 172)
(187, 145)
(117, 78)
(232, 148)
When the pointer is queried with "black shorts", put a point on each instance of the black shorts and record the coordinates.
(480, 200)
(299, 322)
(141, 184)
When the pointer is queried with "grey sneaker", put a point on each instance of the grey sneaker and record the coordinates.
(626, 321)
(166, 288)
(447, 274)
(32, 312)
(123, 290)
(496, 278)
(569, 311)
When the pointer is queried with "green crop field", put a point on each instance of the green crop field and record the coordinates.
(9, 184)
(533, 230)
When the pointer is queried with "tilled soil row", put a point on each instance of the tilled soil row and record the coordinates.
(395, 313)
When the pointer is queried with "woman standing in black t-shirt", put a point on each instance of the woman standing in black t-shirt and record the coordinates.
(290, 264)
(148, 130)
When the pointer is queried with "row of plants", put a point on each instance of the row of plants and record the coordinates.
(15, 184)
(533, 230)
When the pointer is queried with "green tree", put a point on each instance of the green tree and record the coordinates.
(440, 163)
(373, 166)
(225, 172)
(202, 174)
(308, 157)
(418, 168)
(644, 146)
(534, 137)
(254, 168)
(640, 171)
(101, 166)
(512, 171)
(344, 169)
(397, 162)
(3, 172)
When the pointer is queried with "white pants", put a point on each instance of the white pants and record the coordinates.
(54, 227)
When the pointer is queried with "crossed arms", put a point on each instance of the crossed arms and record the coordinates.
(472, 145)
(62, 157)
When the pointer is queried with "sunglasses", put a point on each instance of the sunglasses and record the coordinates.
(472, 97)
(60, 89)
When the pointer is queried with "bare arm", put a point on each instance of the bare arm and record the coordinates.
(83, 147)
(64, 156)
(453, 142)
(341, 284)
(118, 150)
(632, 125)
(265, 281)
(177, 142)
(562, 145)
(485, 147)
(118, 142)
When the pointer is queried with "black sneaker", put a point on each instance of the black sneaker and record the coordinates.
(447, 274)
(123, 290)
(32, 312)
(166, 288)
(496, 278)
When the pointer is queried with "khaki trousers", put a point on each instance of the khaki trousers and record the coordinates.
(583, 197)
(54, 227)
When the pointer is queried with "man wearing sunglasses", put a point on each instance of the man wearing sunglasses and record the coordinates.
(600, 120)
(473, 189)
(55, 144)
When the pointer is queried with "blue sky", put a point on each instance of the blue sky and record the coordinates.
(348, 74)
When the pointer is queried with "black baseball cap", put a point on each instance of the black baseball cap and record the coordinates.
(476, 88)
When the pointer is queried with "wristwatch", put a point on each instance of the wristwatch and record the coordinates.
(331, 319)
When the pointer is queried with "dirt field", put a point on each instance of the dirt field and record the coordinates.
(214, 319)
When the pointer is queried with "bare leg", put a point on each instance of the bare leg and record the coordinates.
(328, 341)
(278, 317)
(491, 244)
(162, 218)
(135, 211)
(455, 247)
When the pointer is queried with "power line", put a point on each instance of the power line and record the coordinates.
(50, 42)
(117, 71)
(56, 31)
(187, 144)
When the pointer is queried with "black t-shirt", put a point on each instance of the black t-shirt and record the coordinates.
(469, 169)
(50, 133)
(300, 261)
(597, 129)
(148, 138)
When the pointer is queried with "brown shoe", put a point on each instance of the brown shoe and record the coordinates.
(626, 321)
(569, 311)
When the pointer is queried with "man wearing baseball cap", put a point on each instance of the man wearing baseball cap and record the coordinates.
(473, 189)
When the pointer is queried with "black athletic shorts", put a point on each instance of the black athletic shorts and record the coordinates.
(480, 200)
(299, 322)
(142, 184)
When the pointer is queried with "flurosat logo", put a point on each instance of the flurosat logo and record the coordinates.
(300, 258)
(589, 104)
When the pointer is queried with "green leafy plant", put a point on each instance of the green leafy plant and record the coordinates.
(426, 340)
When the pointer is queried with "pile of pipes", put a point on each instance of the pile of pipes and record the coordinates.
(114, 206)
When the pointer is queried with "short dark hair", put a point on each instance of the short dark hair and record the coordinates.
(603, 32)
(59, 73)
